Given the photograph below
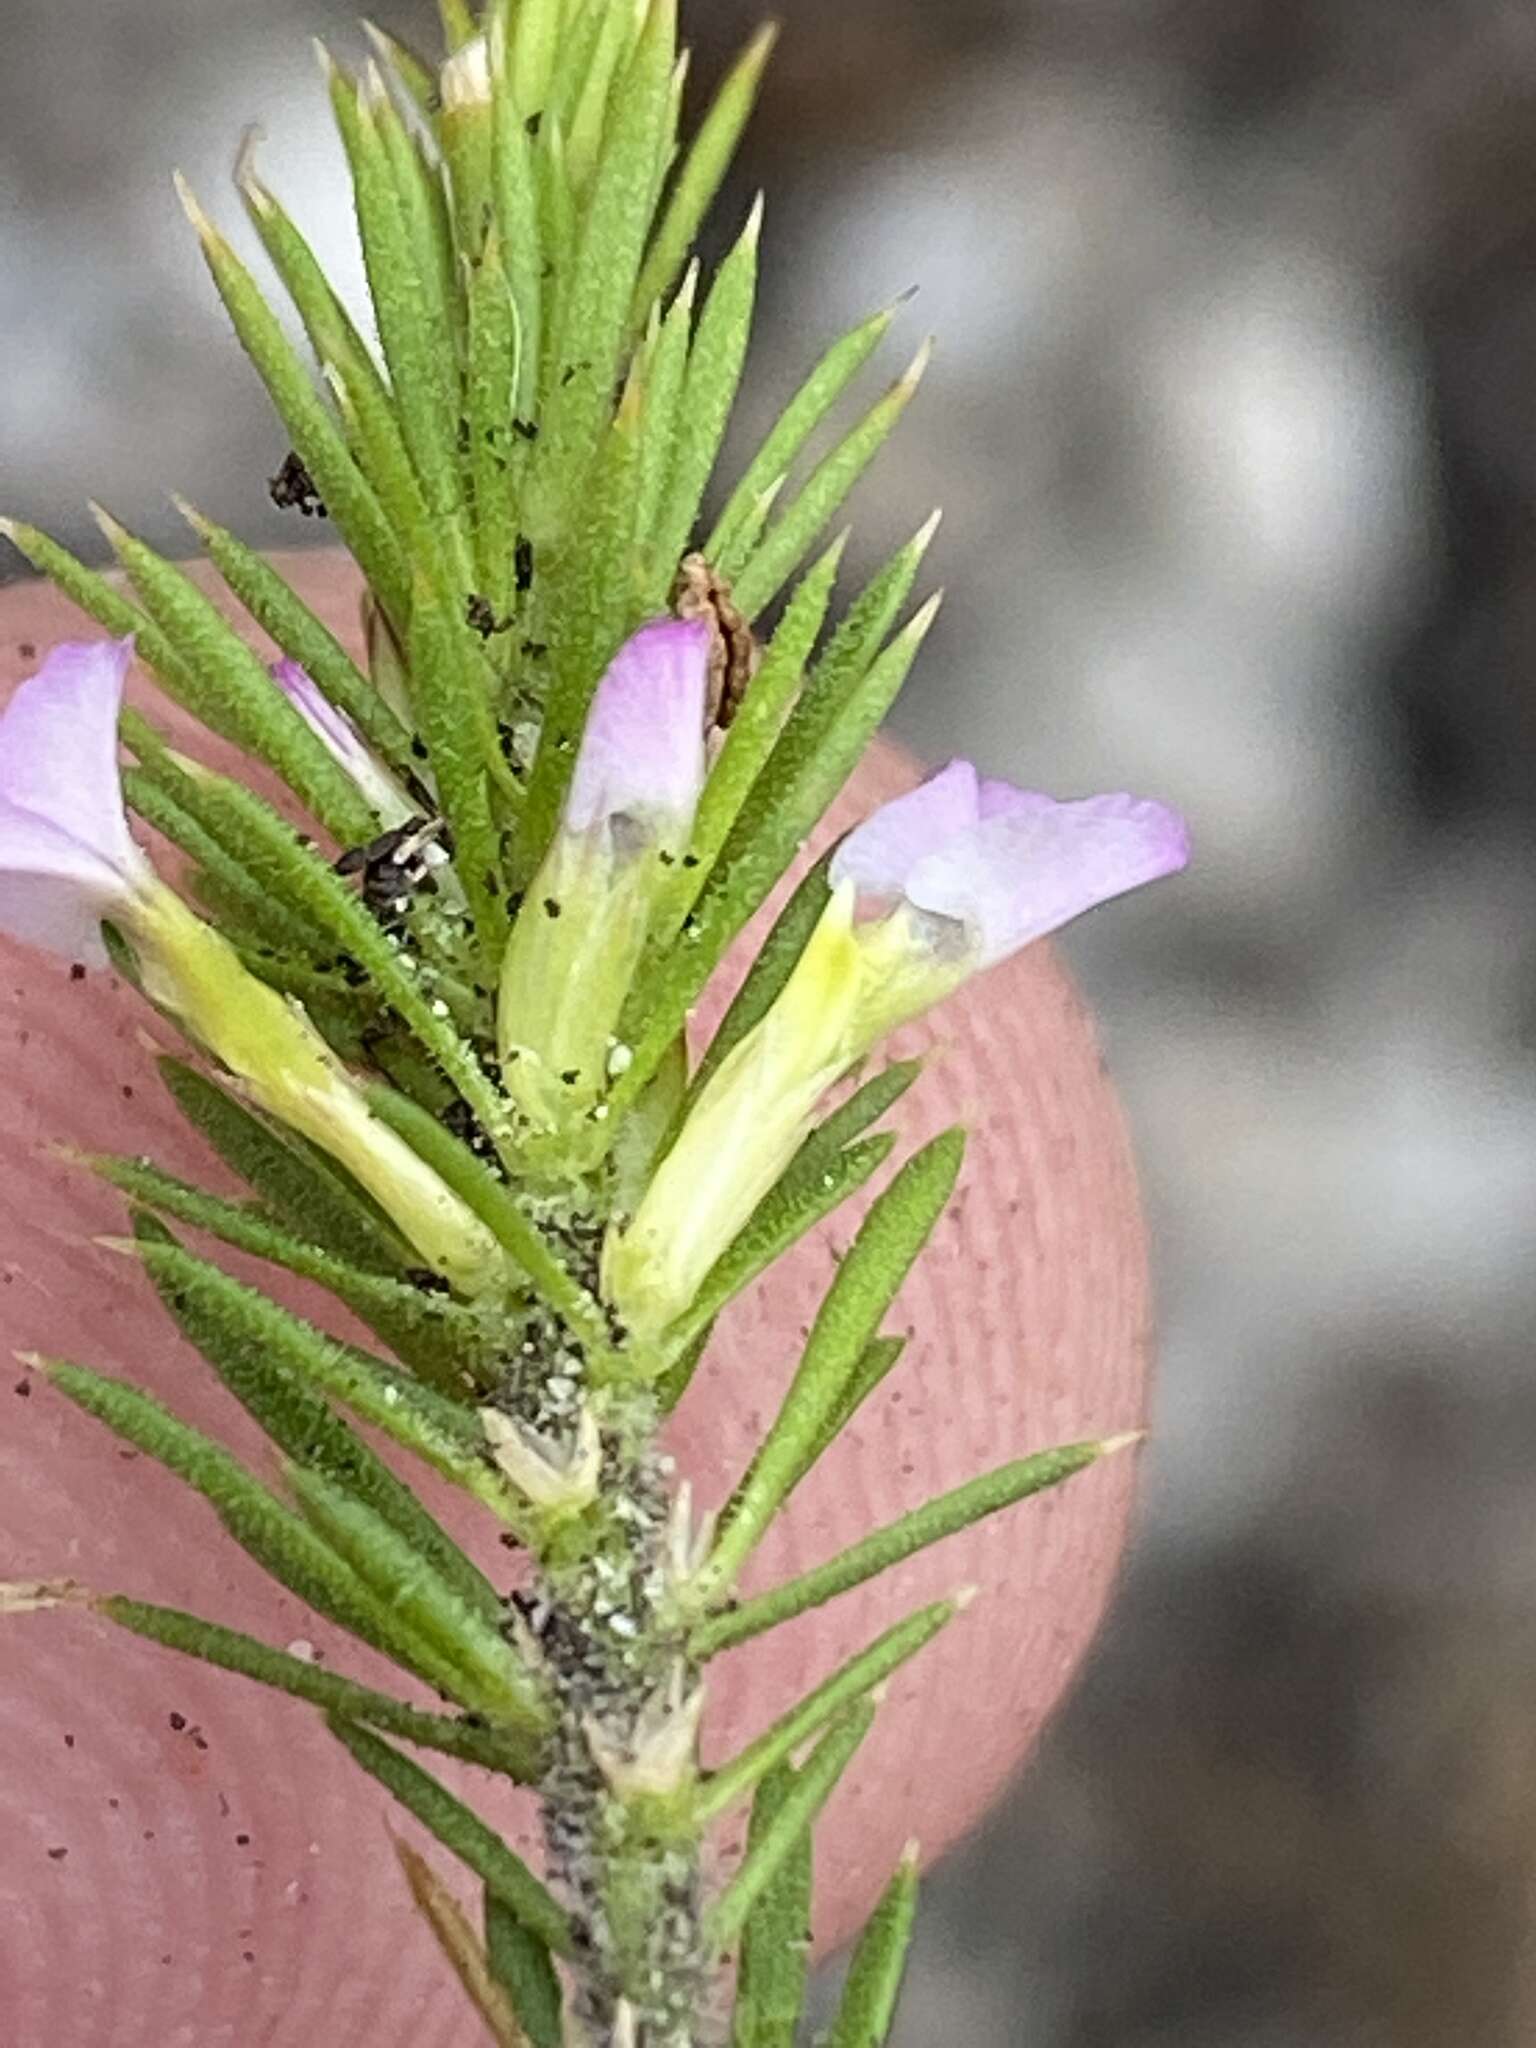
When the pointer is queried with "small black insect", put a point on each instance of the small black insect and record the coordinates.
(293, 487)
(481, 615)
(394, 867)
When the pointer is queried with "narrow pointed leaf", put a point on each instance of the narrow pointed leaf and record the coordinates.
(796, 528)
(404, 281)
(494, 446)
(664, 366)
(585, 601)
(714, 375)
(796, 1814)
(502, 1748)
(889, 1240)
(279, 611)
(766, 978)
(333, 336)
(412, 71)
(521, 1965)
(848, 1685)
(879, 1357)
(445, 1434)
(278, 1540)
(515, 197)
(305, 1428)
(594, 316)
(486, 1675)
(773, 1960)
(821, 390)
(894, 1543)
(233, 694)
(442, 1341)
(462, 1831)
(349, 500)
(758, 723)
(703, 170)
(459, 24)
(873, 1985)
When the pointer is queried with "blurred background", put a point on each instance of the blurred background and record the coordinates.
(1237, 306)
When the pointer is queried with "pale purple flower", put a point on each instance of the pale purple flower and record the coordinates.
(67, 860)
(986, 868)
(642, 754)
(346, 746)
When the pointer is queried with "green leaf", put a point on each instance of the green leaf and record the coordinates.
(279, 611)
(412, 71)
(520, 1962)
(847, 1686)
(856, 644)
(458, 1829)
(792, 1821)
(582, 92)
(515, 196)
(275, 853)
(465, 1639)
(441, 1340)
(714, 375)
(852, 1118)
(504, 1749)
(825, 385)
(892, 1234)
(663, 368)
(879, 1357)
(332, 333)
(585, 599)
(405, 282)
(298, 1184)
(532, 49)
(232, 693)
(879, 1963)
(494, 376)
(703, 171)
(303, 1425)
(278, 1540)
(804, 773)
(774, 558)
(349, 500)
(446, 1435)
(773, 1958)
(498, 1209)
(452, 713)
(790, 1210)
(897, 1541)
(594, 318)
(757, 725)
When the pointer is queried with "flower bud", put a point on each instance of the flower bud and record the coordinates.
(583, 922)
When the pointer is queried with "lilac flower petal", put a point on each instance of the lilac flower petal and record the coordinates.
(312, 704)
(1028, 870)
(878, 855)
(642, 754)
(66, 857)
(58, 750)
(1006, 800)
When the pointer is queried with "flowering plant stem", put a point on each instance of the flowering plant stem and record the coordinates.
(441, 1033)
